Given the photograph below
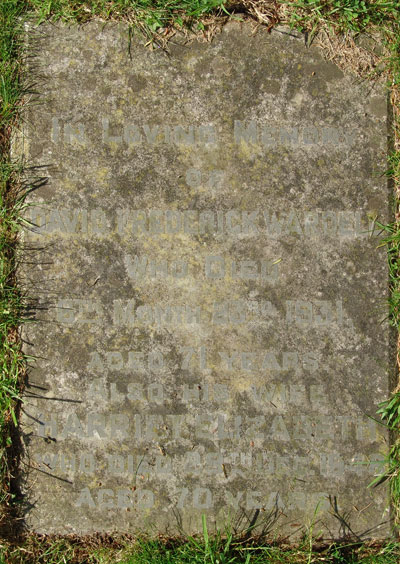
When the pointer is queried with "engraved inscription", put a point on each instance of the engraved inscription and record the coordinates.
(210, 336)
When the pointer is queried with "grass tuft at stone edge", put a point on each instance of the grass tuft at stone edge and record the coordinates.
(222, 548)
(12, 203)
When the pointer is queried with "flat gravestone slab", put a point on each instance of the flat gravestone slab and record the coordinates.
(210, 292)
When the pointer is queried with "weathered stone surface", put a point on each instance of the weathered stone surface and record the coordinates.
(212, 296)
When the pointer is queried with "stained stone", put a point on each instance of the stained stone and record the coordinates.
(211, 294)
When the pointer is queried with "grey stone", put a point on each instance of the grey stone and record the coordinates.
(211, 335)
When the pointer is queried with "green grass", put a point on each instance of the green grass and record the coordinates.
(217, 550)
(345, 15)
(348, 17)
(11, 206)
(227, 551)
(352, 17)
(148, 15)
